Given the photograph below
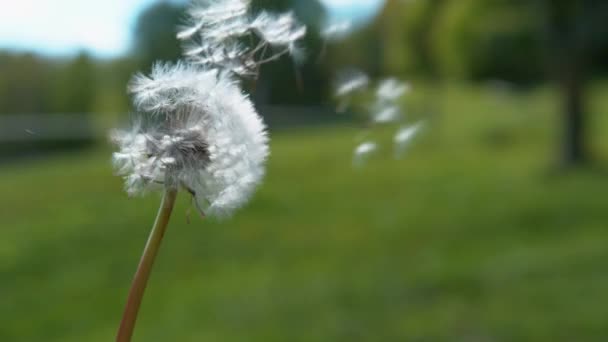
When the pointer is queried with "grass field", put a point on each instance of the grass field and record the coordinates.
(474, 236)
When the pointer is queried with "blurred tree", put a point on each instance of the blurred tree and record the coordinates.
(575, 32)
(25, 84)
(389, 28)
(361, 49)
(113, 77)
(489, 39)
(155, 34)
(523, 41)
(421, 18)
(76, 86)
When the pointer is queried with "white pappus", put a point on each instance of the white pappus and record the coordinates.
(197, 131)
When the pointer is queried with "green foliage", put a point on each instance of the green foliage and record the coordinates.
(378, 48)
(26, 84)
(467, 238)
(481, 39)
(76, 86)
(155, 34)
(362, 49)
(420, 21)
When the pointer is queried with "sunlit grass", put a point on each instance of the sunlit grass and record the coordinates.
(472, 236)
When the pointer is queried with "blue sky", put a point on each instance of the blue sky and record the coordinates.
(102, 27)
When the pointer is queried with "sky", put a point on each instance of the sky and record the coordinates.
(104, 27)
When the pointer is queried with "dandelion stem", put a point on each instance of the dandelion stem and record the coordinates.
(125, 332)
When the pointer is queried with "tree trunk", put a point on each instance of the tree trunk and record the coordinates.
(573, 147)
(569, 42)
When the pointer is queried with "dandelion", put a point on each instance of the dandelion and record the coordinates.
(194, 129)
(337, 30)
(203, 135)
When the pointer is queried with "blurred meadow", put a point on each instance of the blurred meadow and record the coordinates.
(491, 227)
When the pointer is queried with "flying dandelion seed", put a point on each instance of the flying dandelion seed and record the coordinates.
(332, 32)
(387, 114)
(363, 152)
(336, 31)
(391, 89)
(385, 108)
(404, 136)
(348, 82)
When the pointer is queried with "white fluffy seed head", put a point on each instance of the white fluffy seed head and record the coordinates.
(196, 130)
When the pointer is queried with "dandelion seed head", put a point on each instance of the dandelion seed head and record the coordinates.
(196, 130)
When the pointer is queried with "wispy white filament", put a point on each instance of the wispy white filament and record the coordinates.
(221, 34)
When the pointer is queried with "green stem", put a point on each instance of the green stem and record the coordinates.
(125, 332)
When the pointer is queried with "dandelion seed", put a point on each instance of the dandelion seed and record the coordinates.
(336, 31)
(282, 29)
(350, 81)
(404, 136)
(387, 114)
(363, 151)
(391, 89)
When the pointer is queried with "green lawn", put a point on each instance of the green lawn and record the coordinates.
(474, 236)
